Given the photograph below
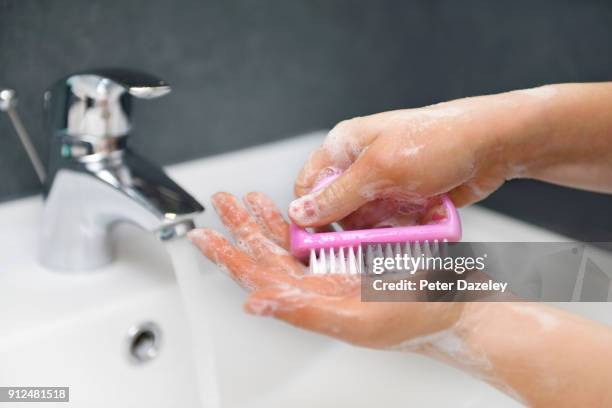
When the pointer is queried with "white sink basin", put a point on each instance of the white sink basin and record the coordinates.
(71, 330)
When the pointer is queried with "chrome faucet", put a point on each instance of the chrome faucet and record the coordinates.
(94, 180)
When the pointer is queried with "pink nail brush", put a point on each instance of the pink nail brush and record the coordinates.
(342, 251)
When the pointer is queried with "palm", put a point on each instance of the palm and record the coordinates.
(330, 304)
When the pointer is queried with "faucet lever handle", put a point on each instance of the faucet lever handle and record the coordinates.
(97, 103)
(138, 84)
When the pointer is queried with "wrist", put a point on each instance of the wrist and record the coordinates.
(561, 134)
(515, 143)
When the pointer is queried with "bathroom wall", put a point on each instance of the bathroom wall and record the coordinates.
(246, 72)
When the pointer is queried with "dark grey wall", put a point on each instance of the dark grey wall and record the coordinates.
(249, 71)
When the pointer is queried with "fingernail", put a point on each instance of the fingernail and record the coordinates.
(200, 237)
(250, 198)
(252, 202)
(303, 210)
(195, 234)
(219, 198)
(261, 307)
(214, 200)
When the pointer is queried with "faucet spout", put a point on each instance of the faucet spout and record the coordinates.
(85, 199)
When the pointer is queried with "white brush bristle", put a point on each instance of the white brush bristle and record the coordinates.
(350, 261)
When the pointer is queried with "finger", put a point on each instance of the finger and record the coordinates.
(435, 212)
(317, 163)
(462, 196)
(243, 227)
(335, 201)
(341, 147)
(240, 266)
(224, 254)
(370, 215)
(269, 217)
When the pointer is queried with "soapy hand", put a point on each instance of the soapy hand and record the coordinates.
(513, 346)
(280, 286)
(394, 162)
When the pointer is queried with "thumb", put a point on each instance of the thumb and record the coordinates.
(335, 201)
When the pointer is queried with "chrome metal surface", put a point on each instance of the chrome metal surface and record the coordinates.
(95, 180)
(7, 99)
(8, 103)
(97, 104)
(144, 342)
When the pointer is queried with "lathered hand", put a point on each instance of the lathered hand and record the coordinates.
(536, 354)
(394, 162)
(280, 286)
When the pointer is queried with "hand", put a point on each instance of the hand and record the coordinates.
(513, 346)
(394, 162)
(281, 287)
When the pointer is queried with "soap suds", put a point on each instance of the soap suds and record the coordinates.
(442, 111)
(288, 299)
(262, 307)
(196, 234)
(410, 151)
(446, 343)
(373, 190)
(475, 189)
(546, 320)
(342, 144)
(542, 92)
(516, 171)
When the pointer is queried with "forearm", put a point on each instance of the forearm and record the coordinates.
(539, 355)
(567, 137)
